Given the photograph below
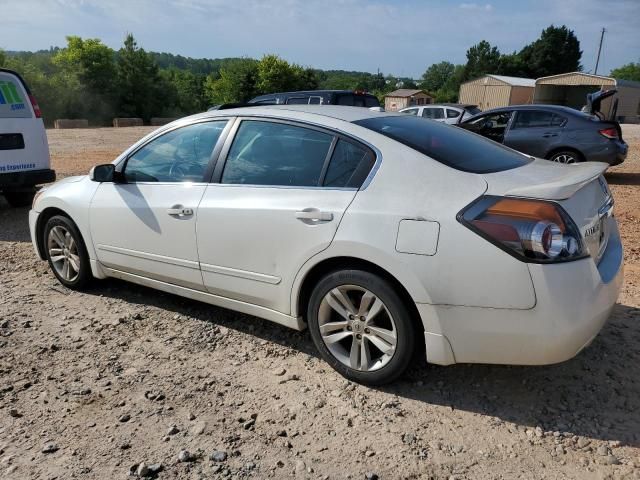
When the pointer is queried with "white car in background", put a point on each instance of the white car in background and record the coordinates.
(449, 113)
(377, 231)
(24, 151)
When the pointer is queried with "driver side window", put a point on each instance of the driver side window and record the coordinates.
(181, 155)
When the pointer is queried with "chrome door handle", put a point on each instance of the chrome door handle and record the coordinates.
(180, 211)
(547, 135)
(313, 215)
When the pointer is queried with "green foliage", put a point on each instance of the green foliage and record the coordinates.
(3, 58)
(556, 51)
(482, 58)
(630, 71)
(436, 76)
(237, 83)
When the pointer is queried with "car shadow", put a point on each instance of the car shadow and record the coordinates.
(622, 178)
(595, 395)
(14, 223)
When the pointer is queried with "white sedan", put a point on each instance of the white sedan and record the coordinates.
(380, 232)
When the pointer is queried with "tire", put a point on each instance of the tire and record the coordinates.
(20, 199)
(386, 319)
(65, 250)
(566, 157)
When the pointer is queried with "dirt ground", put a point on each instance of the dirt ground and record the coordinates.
(93, 384)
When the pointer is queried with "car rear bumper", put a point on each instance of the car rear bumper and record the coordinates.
(573, 301)
(26, 178)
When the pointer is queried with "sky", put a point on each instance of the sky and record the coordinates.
(398, 37)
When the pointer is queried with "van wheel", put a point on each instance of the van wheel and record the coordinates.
(66, 253)
(361, 327)
(20, 199)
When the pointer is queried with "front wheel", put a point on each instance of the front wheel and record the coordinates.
(361, 326)
(66, 252)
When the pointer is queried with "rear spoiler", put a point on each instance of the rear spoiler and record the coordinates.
(565, 185)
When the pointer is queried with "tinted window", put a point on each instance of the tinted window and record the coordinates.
(558, 120)
(533, 118)
(350, 164)
(298, 101)
(181, 155)
(434, 113)
(13, 101)
(370, 101)
(447, 144)
(473, 110)
(347, 100)
(410, 111)
(315, 100)
(452, 113)
(266, 153)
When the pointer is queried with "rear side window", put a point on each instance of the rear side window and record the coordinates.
(537, 118)
(447, 144)
(298, 101)
(410, 111)
(279, 154)
(452, 113)
(13, 101)
(434, 113)
(350, 164)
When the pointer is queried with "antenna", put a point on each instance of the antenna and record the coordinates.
(599, 50)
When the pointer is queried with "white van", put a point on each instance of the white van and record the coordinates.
(24, 151)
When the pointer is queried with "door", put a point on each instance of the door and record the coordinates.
(280, 196)
(535, 132)
(493, 125)
(453, 116)
(146, 225)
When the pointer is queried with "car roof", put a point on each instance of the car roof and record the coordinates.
(339, 112)
(553, 108)
(313, 92)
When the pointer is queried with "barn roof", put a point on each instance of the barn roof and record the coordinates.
(405, 92)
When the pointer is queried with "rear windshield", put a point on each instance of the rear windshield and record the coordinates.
(473, 110)
(13, 101)
(448, 144)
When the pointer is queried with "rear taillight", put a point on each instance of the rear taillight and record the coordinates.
(531, 230)
(610, 133)
(36, 107)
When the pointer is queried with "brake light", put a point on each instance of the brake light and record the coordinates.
(36, 107)
(531, 230)
(610, 133)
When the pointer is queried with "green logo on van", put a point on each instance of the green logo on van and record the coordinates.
(9, 93)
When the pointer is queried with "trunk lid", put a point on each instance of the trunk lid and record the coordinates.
(580, 189)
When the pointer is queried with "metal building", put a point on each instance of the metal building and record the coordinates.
(492, 91)
(571, 89)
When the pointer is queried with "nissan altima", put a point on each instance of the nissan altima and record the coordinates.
(381, 233)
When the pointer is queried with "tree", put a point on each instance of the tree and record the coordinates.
(3, 58)
(141, 90)
(556, 51)
(236, 83)
(630, 71)
(436, 76)
(482, 58)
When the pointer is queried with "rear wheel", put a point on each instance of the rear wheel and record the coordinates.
(566, 156)
(361, 327)
(66, 252)
(20, 199)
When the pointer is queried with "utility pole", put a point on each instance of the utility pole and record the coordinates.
(599, 50)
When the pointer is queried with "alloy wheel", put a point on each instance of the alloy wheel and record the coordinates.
(357, 328)
(63, 252)
(564, 158)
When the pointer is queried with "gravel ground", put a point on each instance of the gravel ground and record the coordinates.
(92, 385)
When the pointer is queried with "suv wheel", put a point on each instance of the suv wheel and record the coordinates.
(361, 327)
(66, 252)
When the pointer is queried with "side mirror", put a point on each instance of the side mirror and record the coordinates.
(104, 173)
